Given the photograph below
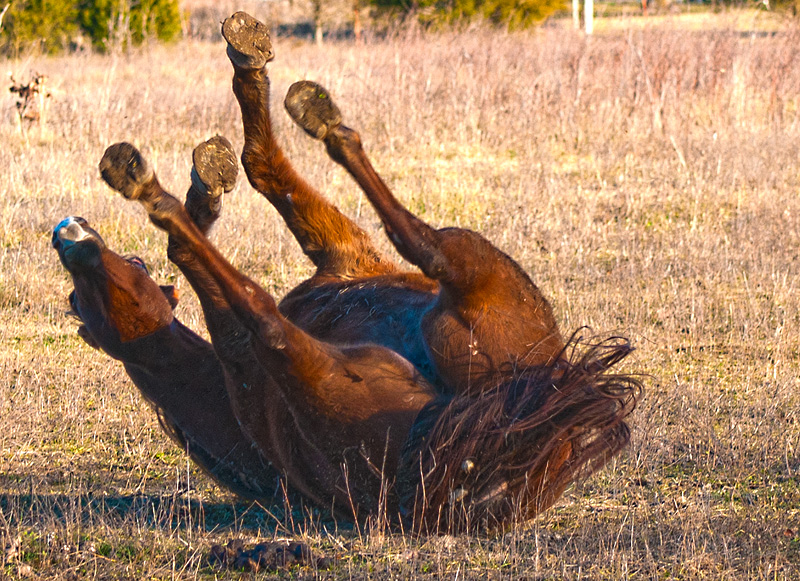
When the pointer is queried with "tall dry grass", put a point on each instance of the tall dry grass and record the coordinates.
(646, 179)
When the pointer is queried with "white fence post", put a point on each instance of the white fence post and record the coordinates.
(588, 15)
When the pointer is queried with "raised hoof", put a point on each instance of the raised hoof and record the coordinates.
(214, 168)
(125, 170)
(312, 108)
(249, 46)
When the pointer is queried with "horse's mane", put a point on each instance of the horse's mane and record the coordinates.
(510, 451)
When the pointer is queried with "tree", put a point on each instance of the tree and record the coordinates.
(791, 7)
(122, 22)
(316, 8)
(47, 23)
(157, 18)
(53, 24)
(511, 13)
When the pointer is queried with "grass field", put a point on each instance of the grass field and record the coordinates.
(647, 180)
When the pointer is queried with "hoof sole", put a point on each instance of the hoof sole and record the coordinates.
(125, 170)
(215, 166)
(311, 107)
(249, 45)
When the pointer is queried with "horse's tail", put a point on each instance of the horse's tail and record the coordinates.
(510, 452)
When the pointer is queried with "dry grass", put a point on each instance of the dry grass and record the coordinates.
(687, 16)
(646, 180)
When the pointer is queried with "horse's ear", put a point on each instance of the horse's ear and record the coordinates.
(171, 293)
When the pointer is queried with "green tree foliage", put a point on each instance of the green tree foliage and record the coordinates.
(786, 6)
(52, 24)
(511, 13)
(48, 23)
(121, 22)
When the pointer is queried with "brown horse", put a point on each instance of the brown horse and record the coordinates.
(516, 415)
(505, 416)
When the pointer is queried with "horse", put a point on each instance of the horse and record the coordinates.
(447, 397)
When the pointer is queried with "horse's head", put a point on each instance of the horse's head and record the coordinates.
(114, 296)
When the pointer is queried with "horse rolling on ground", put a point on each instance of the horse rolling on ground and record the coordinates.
(495, 417)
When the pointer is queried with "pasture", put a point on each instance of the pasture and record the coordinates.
(647, 179)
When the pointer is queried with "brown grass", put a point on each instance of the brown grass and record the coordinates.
(646, 179)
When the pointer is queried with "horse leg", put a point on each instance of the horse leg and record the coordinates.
(214, 172)
(332, 406)
(347, 295)
(490, 317)
(335, 244)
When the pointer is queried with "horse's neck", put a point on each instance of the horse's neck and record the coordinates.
(170, 354)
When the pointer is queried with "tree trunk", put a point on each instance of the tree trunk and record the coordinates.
(317, 5)
(576, 14)
(357, 28)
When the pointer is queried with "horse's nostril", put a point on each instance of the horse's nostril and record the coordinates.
(65, 225)
(70, 230)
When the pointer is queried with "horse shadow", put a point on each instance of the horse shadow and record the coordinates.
(178, 510)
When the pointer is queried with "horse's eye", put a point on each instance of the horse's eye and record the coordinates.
(136, 261)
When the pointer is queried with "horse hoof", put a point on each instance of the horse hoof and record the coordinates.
(125, 170)
(214, 167)
(312, 108)
(249, 46)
